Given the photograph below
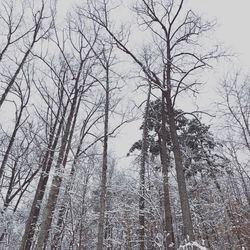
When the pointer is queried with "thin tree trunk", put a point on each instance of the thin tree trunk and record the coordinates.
(104, 167)
(128, 237)
(82, 244)
(56, 181)
(41, 187)
(144, 156)
(63, 207)
(13, 79)
(38, 22)
(11, 142)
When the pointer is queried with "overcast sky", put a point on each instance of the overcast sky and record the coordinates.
(232, 30)
(233, 19)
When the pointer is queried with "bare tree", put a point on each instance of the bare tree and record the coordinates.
(165, 161)
(105, 60)
(64, 207)
(45, 165)
(79, 77)
(16, 171)
(11, 23)
(176, 38)
(24, 99)
(39, 30)
(235, 108)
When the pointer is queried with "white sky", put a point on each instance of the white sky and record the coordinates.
(233, 19)
(233, 23)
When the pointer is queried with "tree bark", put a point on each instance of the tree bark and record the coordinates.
(185, 209)
(104, 167)
(63, 207)
(43, 180)
(57, 179)
(144, 156)
(165, 162)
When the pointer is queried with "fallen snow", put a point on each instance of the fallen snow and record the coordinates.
(192, 244)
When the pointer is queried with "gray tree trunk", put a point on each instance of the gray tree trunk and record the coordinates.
(63, 208)
(57, 179)
(43, 180)
(185, 208)
(144, 156)
(104, 167)
(165, 162)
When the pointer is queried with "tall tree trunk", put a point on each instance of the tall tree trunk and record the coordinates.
(43, 180)
(59, 168)
(144, 156)
(165, 162)
(185, 208)
(63, 207)
(104, 167)
(57, 180)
